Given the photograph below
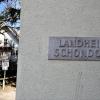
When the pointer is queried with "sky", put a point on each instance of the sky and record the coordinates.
(2, 7)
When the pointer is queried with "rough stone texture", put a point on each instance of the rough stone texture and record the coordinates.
(43, 79)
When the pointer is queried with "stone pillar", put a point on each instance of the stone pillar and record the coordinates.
(41, 79)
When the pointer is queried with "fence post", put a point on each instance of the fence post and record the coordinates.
(4, 81)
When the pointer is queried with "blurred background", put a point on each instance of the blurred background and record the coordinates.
(9, 41)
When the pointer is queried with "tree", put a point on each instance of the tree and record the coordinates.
(2, 0)
(11, 13)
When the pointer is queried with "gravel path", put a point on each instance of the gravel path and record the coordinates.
(8, 93)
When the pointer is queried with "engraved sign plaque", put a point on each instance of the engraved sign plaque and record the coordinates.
(74, 48)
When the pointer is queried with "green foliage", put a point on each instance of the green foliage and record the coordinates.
(12, 14)
(1, 18)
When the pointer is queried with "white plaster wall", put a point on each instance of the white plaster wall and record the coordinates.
(43, 79)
